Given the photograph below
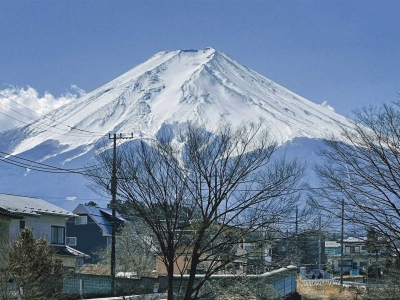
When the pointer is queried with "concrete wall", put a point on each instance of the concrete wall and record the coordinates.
(283, 280)
(97, 285)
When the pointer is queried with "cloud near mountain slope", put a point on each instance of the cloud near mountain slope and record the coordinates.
(204, 86)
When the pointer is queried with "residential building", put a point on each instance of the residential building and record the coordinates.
(252, 255)
(90, 229)
(46, 221)
(356, 257)
(258, 256)
(306, 248)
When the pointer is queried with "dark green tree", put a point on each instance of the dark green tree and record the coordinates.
(33, 265)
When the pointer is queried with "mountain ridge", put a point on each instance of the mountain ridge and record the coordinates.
(177, 86)
(171, 87)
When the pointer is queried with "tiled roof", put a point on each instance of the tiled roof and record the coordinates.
(30, 206)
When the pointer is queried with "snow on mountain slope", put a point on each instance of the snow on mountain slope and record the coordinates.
(172, 87)
(176, 86)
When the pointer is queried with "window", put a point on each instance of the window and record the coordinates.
(21, 225)
(346, 263)
(249, 249)
(79, 262)
(354, 249)
(81, 220)
(363, 264)
(70, 241)
(57, 235)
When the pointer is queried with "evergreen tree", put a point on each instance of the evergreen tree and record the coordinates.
(32, 263)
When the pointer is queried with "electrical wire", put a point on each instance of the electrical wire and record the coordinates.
(32, 124)
(86, 132)
(52, 169)
(43, 167)
(42, 127)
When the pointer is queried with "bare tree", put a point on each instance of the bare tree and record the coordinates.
(240, 287)
(134, 253)
(202, 194)
(361, 170)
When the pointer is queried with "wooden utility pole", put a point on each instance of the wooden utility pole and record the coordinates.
(341, 247)
(319, 244)
(113, 204)
(296, 236)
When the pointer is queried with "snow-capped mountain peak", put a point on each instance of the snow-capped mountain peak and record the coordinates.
(171, 87)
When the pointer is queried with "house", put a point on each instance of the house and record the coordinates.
(46, 221)
(252, 253)
(306, 248)
(90, 229)
(356, 257)
(258, 252)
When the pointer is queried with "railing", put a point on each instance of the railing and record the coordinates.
(312, 282)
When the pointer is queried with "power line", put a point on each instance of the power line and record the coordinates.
(45, 168)
(87, 132)
(53, 169)
(32, 124)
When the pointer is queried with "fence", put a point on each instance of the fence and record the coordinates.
(98, 285)
(285, 286)
(283, 280)
(313, 282)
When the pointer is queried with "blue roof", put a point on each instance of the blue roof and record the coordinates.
(100, 215)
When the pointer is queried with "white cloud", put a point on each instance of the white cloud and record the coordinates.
(72, 198)
(327, 106)
(19, 106)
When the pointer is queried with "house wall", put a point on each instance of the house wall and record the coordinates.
(4, 227)
(68, 262)
(332, 251)
(89, 237)
(180, 266)
(41, 226)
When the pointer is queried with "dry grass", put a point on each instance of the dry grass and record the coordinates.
(95, 269)
(327, 292)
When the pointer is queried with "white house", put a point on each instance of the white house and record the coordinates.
(356, 257)
(45, 219)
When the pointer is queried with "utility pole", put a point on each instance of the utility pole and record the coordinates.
(113, 204)
(296, 236)
(341, 247)
(319, 245)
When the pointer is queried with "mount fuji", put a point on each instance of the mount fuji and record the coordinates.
(172, 87)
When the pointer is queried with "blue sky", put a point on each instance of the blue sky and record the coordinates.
(344, 52)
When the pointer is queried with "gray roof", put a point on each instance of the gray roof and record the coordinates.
(332, 244)
(353, 239)
(65, 250)
(23, 205)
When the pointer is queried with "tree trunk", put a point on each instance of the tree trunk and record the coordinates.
(193, 267)
(170, 280)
